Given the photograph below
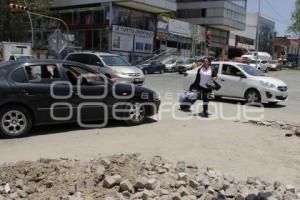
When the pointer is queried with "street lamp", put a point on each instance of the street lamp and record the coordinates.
(257, 32)
(31, 25)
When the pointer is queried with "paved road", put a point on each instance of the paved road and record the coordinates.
(167, 84)
(235, 148)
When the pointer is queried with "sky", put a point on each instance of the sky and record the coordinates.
(278, 10)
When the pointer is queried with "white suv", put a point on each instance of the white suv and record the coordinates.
(113, 66)
(244, 82)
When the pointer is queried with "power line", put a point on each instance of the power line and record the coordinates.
(276, 12)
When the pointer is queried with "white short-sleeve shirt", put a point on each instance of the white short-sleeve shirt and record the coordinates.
(205, 77)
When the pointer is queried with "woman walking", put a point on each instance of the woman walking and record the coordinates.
(206, 75)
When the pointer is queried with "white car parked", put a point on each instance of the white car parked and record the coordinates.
(242, 81)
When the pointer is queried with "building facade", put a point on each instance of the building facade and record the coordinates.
(286, 49)
(125, 27)
(216, 16)
(179, 37)
(244, 41)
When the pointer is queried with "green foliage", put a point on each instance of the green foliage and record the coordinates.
(295, 26)
(169, 15)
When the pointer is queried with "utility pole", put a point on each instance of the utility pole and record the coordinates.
(257, 32)
(31, 25)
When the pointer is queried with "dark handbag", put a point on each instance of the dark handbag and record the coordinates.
(217, 85)
(213, 86)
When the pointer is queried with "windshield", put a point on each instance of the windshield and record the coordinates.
(114, 61)
(251, 70)
(189, 61)
(171, 62)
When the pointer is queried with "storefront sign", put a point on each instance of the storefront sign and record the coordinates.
(179, 28)
(162, 28)
(122, 42)
(132, 31)
(130, 39)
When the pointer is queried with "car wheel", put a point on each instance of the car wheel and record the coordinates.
(252, 96)
(146, 71)
(161, 71)
(15, 121)
(137, 114)
(173, 69)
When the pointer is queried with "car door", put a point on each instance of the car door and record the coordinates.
(232, 81)
(91, 100)
(153, 66)
(39, 91)
(160, 66)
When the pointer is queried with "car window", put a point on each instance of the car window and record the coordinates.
(19, 75)
(216, 67)
(94, 60)
(231, 70)
(42, 73)
(74, 73)
(180, 62)
(158, 63)
(114, 61)
(82, 58)
(171, 62)
(12, 58)
(253, 71)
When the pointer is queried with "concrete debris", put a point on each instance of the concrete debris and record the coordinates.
(130, 177)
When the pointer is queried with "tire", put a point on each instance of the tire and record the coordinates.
(146, 71)
(161, 71)
(15, 121)
(173, 69)
(137, 114)
(252, 96)
(185, 107)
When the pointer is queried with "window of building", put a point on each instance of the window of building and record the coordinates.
(99, 17)
(203, 12)
(86, 17)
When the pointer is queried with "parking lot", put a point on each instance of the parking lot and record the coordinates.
(227, 145)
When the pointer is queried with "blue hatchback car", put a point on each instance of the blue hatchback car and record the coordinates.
(152, 66)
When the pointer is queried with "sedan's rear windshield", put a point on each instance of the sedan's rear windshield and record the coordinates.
(114, 61)
(253, 71)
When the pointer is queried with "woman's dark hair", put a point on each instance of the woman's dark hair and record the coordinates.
(207, 58)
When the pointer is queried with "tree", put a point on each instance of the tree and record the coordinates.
(15, 26)
(295, 26)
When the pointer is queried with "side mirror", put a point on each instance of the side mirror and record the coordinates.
(100, 64)
(242, 76)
